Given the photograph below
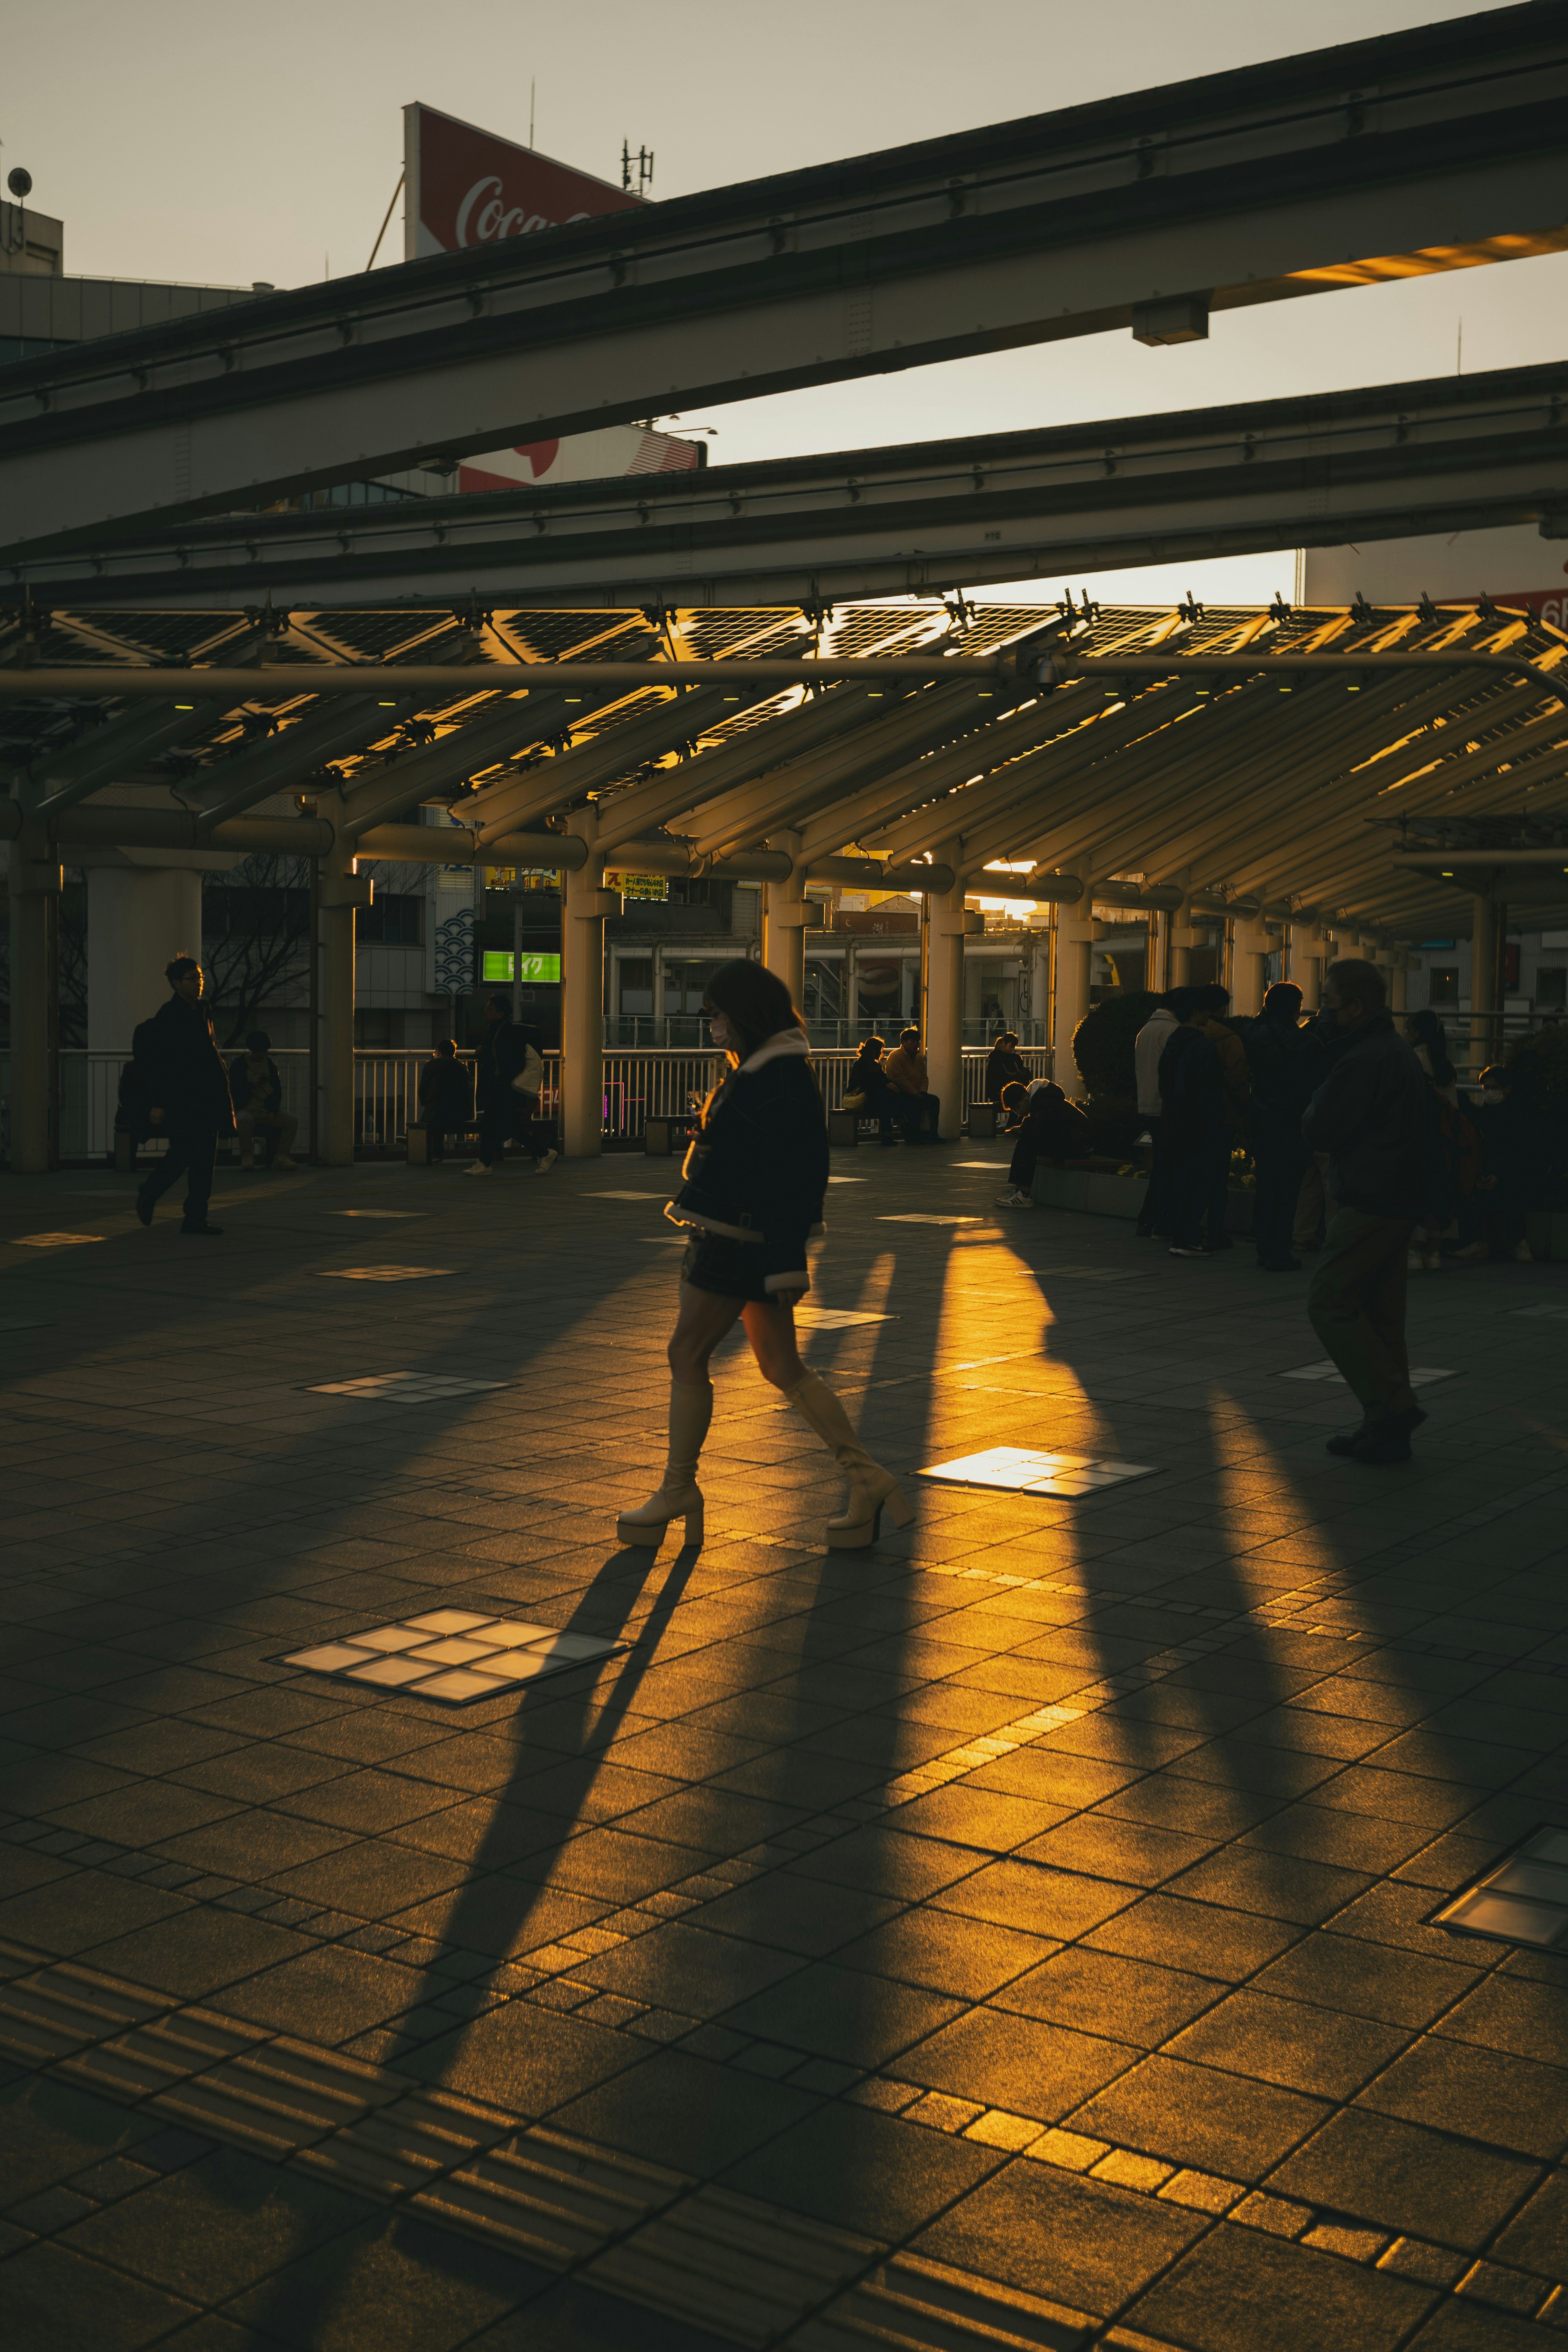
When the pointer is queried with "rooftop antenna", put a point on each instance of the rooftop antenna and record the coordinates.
(644, 163)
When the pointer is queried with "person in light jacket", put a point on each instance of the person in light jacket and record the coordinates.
(751, 1197)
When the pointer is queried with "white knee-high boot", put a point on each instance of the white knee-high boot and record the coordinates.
(677, 1496)
(873, 1489)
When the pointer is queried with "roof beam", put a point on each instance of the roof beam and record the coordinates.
(1415, 152)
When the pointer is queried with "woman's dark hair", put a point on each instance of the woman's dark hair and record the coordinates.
(872, 1047)
(754, 999)
(258, 1042)
(1006, 1037)
(446, 1045)
(1429, 1032)
(502, 1003)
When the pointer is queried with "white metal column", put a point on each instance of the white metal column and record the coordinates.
(585, 902)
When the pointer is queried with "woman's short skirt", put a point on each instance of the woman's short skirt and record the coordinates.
(729, 1269)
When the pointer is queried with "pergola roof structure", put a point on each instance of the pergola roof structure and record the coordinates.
(1291, 781)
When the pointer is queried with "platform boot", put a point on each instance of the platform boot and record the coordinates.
(677, 1496)
(873, 1489)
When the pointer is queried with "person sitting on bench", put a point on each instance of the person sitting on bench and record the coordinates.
(257, 1085)
(446, 1097)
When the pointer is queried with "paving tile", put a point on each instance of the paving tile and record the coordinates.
(946, 1953)
(1198, 2116)
(212, 2228)
(1300, 2047)
(199, 1952)
(1079, 2241)
(978, 1817)
(678, 2108)
(396, 2282)
(1194, 1935)
(1408, 2176)
(865, 2171)
(830, 2011)
(1243, 2291)
(1131, 2000)
(1537, 2237)
(1042, 1902)
(85, 1908)
(890, 1862)
(1529, 2021)
(1018, 2063)
(58, 2298)
(771, 1911)
(524, 2058)
(1486, 2095)
(327, 1995)
(1279, 1886)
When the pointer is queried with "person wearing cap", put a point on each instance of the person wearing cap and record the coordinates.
(256, 1084)
(187, 1089)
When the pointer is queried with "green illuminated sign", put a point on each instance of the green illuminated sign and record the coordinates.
(498, 965)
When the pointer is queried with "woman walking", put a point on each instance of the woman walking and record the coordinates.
(752, 1193)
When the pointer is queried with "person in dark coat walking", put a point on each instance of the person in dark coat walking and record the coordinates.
(1283, 1073)
(1192, 1122)
(751, 1196)
(445, 1101)
(1371, 1116)
(508, 1110)
(187, 1090)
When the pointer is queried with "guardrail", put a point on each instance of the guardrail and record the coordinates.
(640, 1083)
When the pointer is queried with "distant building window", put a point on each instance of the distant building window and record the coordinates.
(1552, 988)
(390, 921)
(1443, 984)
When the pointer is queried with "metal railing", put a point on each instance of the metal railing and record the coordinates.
(640, 1083)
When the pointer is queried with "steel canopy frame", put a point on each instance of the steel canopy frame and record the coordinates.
(1431, 150)
(1396, 460)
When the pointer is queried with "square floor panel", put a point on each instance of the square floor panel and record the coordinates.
(385, 1273)
(922, 1217)
(452, 1650)
(404, 1388)
(53, 1241)
(838, 1318)
(1523, 1901)
(1421, 1375)
(472, 1657)
(1022, 1470)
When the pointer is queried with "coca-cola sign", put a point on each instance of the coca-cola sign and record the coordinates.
(467, 187)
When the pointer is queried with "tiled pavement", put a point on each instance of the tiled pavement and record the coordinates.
(1016, 1934)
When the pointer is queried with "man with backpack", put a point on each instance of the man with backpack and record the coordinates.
(510, 1075)
(181, 1077)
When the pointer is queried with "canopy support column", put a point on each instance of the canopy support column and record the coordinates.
(948, 921)
(1074, 945)
(585, 902)
(1483, 979)
(33, 881)
(784, 920)
(341, 891)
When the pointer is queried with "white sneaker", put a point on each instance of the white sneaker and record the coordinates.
(479, 1169)
(1523, 1255)
(543, 1167)
(1014, 1200)
(284, 1161)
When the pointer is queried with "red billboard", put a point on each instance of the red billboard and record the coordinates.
(467, 187)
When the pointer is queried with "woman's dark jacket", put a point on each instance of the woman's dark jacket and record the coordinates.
(181, 1070)
(1054, 1129)
(446, 1092)
(1005, 1066)
(867, 1076)
(757, 1170)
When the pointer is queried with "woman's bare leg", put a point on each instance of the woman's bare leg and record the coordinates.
(702, 1323)
(770, 1327)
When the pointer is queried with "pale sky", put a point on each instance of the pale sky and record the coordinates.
(197, 140)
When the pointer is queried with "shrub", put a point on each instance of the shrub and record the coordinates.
(1102, 1045)
(1540, 1062)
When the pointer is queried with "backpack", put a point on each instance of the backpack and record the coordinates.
(530, 1079)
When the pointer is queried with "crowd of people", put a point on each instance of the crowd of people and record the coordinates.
(1211, 1085)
